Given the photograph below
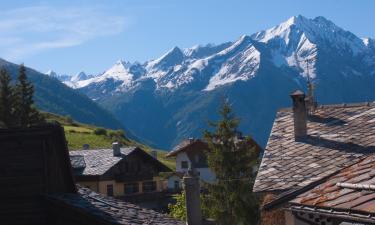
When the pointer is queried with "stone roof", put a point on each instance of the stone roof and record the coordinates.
(111, 210)
(77, 161)
(350, 193)
(338, 135)
(97, 161)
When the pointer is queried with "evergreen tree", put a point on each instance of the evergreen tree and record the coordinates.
(6, 100)
(233, 162)
(26, 113)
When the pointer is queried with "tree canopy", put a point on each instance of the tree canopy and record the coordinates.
(16, 101)
(233, 159)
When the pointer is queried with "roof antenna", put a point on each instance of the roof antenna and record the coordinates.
(311, 103)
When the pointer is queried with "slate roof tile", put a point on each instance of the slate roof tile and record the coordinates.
(98, 161)
(331, 198)
(112, 210)
(338, 136)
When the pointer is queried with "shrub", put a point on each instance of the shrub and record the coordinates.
(100, 131)
(68, 119)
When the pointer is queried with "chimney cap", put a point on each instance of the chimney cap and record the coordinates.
(297, 93)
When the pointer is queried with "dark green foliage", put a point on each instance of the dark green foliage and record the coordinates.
(233, 161)
(6, 100)
(25, 111)
(16, 103)
(117, 134)
(100, 131)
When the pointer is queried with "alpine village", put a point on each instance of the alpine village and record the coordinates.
(275, 128)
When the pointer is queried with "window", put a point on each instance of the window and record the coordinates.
(149, 186)
(110, 189)
(131, 188)
(176, 185)
(184, 164)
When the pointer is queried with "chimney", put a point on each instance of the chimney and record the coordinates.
(193, 201)
(299, 115)
(116, 149)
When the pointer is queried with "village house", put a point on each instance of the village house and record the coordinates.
(38, 187)
(314, 165)
(190, 153)
(128, 171)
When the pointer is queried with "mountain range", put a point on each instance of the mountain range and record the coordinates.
(53, 96)
(174, 96)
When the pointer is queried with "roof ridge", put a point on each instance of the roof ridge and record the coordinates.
(342, 105)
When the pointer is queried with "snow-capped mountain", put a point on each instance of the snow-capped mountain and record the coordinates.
(290, 44)
(61, 77)
(170, 98)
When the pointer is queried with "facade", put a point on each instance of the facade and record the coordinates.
(190, 154)
(38, 186)
(307, 146)
(131, 171)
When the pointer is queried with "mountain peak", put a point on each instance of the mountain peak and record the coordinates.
(51, 73)
(173, 57)
(123, 63)
(79, 76)
(298, 29)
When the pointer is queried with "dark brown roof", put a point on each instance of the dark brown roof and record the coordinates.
(109, 210)
(333, 198)
(185, 146)
(338, 135)
(34, 163)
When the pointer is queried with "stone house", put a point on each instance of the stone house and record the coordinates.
(118, 171)
(308, 145)
(38, 187)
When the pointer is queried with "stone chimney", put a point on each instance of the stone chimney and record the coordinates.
(299, 115)
(116, 149)
(193, 201)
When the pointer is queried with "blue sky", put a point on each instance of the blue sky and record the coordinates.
(90, 35)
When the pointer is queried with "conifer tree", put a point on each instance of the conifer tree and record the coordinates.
(6, 100)
(26, 113)
(233, 162)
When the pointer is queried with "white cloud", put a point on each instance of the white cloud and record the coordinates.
(27, 31)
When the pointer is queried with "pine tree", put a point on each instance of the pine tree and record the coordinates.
(6, 100)
(233, 162)
(26, 113)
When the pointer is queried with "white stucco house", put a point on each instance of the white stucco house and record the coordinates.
(190, 153)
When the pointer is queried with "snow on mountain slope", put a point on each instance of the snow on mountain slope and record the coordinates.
(171, 98)
(122, 71)
(294, 43)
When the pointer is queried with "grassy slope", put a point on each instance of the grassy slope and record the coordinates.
(78, 134)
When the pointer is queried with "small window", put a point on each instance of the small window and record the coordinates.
(149, 186)
(184, 165)
(110, 189)
(176, 185)
(131, 188)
